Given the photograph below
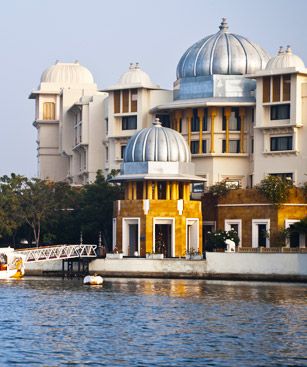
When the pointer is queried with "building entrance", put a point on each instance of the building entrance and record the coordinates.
(163, 239)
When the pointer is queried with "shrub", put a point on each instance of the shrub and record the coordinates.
(275, 189)
(216, 240)
(220, 189)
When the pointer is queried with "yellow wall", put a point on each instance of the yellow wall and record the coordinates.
(158, 209)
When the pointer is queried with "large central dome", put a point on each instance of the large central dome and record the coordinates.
(222, 53)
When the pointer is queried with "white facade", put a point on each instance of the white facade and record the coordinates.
(235, 132)
(68, 116)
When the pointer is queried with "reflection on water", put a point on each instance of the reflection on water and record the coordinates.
(55, 322)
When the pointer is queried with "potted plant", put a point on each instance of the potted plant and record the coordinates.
(192, 254)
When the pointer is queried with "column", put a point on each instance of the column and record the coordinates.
(187, 190)
(189, 115)
(212, 113)
(155, 190)
(134, 195)
(242, 117)
(167, 195)
(149, 190)
(144, 190)
(227, 112)
(129, 190)
(200, 113)
(174, 191)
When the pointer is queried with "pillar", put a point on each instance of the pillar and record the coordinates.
(130, 191)
(134, 191)
(212, 113)
(242, 117)
(144, 190)
(174, 191)
(189, 115)
(200, 113)
(155, 190)
(167, 194)
(149, 190)
(227, 112)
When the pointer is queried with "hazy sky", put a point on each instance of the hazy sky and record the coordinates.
(106, 35)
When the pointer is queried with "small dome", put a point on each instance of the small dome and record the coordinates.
(135, 77)
(285, 59)
(158, 144)
(67, 73)
(222, 53)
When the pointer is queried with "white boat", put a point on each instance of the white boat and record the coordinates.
(11, 264)
(93, 280)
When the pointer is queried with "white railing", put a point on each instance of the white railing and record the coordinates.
(60, 252)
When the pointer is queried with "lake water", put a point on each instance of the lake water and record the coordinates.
(128, 322)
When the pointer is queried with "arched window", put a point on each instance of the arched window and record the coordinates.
(49, 111)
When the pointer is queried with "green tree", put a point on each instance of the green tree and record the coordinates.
(96, 209)
(11, 217)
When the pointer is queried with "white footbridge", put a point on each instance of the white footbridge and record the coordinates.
(59, 252)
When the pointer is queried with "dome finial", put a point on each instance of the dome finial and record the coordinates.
(288, 50)
(280, 51)
(224, 25)
(157, 122)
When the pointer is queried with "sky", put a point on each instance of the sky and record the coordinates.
(105, 36)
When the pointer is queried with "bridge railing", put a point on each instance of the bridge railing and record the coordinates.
(58, 252)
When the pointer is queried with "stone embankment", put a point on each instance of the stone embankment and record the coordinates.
(227, 266)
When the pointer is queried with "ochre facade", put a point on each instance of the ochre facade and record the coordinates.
(159, 209)
(248, 206)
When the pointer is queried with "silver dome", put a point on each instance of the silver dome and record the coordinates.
(285, 59)
(157, 144)
(222, 53)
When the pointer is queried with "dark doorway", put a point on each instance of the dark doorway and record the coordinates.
(262, 235)
(133, 239)
(163, 239)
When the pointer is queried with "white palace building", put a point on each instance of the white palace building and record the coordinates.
(242, 113)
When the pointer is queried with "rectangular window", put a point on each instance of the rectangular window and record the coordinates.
(49, 111)
(107, 154)
(205, 120)
(122, 151)
(125, 100)
(234, 123)
(195, 121)
(276, 88)
(286, 87)
(260, 233)
(129, 123)
(204, 146)
(234, 225)
(266, 90)
(198, 187)
(252, 145)
(234, 146)
(286, 176)
(117, 101)
(194, 146)
(134, 100)
(281, 143)
(280, 112)
(164, 119)
(107, 125)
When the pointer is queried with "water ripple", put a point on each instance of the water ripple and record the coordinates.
(55, 322)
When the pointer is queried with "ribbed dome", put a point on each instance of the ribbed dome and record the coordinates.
(285, 59)
(135, 77)
(67, 73)
(158, 144)
(222, 53)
